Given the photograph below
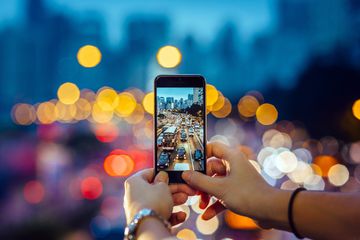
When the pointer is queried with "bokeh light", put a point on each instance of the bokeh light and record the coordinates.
(338, 175)
(100, 227)
(137, 116)
(354, 152)
(89, 56)
(91, 188)
(68, 93)
(186, 234)
(224, 111)
(325, 162)
(65, 112)
(148, 102)
(34, 192)
(168, 56)
(237, 221)
(119, 165)
(266, 114)
(356, 109)
(286, 162)
(127, 104)
(212, 95)
(219, 104)
(207, 227)
(247, 106)
(47, 113)
(106, 132)
(101, 116)
(107, 99)
(23, 114)
(83, 109)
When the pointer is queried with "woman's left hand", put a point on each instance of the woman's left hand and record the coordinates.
(141, 193)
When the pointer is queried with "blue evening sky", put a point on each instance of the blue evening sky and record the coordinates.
(177, 93)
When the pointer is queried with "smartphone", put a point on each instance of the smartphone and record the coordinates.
(180, 124)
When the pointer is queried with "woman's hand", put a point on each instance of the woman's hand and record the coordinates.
(141, 192)
(233, 181)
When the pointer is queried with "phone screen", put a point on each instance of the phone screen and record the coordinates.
(180, 128)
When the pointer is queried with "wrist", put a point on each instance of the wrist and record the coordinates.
(152, 228)
(274, 207)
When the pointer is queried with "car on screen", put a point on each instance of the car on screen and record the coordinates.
(164, 160)
(181, 153)
(191, 132)
(159, 141)
(198, 155)
(183, 137)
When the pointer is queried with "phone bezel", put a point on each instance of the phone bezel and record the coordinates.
(178, 81)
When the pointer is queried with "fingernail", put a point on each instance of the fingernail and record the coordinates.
(186, 175)
(203, 217)
(162, 176)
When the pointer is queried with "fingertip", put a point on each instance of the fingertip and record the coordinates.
(186, 175)
(161, 177)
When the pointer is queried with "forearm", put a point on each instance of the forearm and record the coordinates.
(319, 215)
(152, 228)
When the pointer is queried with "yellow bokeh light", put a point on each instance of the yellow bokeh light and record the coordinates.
(219, 102)
(224, 111)
(68, 93)
(168, 56)
(47, 113)
(107, 99)
(148, 102)
(186, 234)
(266, 114)
(137, 116)
(83, 109)
(66, 113)
(89, 56)
(23, 114)
(356, 109)
(127, 104)
(247, 106)
(101, 116)
(207, 227)
(212, 95)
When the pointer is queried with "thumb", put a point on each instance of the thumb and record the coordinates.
(202, 182)
(161, 177)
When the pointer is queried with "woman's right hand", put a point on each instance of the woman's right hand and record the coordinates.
(233, 180)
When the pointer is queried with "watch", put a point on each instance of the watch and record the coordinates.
(130, 230)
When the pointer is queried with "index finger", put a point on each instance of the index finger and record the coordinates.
(217, 149)
(146, 174)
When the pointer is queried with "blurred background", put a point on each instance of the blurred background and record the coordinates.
(76, 103)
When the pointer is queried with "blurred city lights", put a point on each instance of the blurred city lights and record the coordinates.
(207, 227)
(219, 104)
(23, 114)
(325, 162)
(212, 95)
(237, 221)
(107, 99)
(286, 161)
(83, 109)
(127, 104)
(34, 192)
(247, 106)
(65, 112)
(47, 113)
(118, 165)
(354, 152)
(186, 234)
(356, 109)
(101, 116)
(266, 114)
(68, 93)
(89, 56)
(224, 111)
(148, 102)
(100, 227)
(168, 56)
(137, 116)
(338, 175)
(106, 132)
(301, 172)
(91, 188)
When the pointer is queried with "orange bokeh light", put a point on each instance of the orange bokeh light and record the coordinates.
(91, 188)
(118, 164)
(34, 192)
(325, 162)
(237, 221)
